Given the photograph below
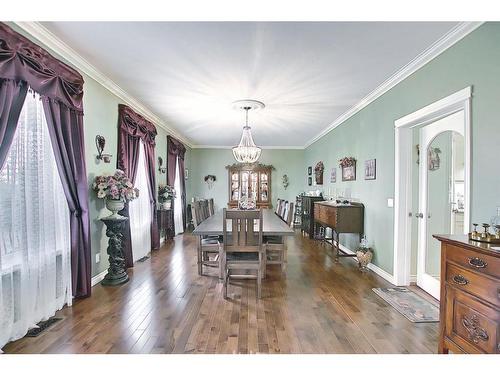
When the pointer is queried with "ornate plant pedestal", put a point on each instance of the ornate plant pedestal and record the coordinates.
(116, 272)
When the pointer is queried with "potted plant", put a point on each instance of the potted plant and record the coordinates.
(115, 190)
(165, 195)
(364, 255)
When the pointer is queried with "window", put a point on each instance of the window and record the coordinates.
(34, 229)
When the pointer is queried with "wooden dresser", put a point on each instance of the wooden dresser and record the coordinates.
(307, 225)
(341, 218)
(470, 296)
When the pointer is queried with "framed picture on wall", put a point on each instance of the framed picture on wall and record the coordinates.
(349, 173)
(309, 171)
(370, 169)
(333, 175)
(309, 181)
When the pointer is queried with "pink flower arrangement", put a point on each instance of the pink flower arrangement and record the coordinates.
(347, 161)
(117, 186)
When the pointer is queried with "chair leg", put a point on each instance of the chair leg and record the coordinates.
(200, 269)
(264, 262)
(284, 256)
(259, 283)
(226, 280)
(222, 264)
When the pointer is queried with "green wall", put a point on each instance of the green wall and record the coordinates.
(370, 133)
(101, 117)
(214, 161)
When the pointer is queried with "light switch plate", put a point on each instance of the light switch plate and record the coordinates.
(390, 202)
(97, 258)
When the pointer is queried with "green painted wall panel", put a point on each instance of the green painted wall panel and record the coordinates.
(370, 133)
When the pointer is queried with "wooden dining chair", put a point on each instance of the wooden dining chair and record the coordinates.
(242, 246)
(211, 208)
(209, 247)
(278, 207)
(275, 246)
(283, 207)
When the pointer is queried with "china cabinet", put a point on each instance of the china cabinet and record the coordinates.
(250, 181)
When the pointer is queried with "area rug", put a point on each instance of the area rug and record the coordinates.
(415, 308)
(42, 326)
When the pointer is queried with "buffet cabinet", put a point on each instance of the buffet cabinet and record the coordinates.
(307, 218)
(470, 296)
(341, 218)
(252, 181)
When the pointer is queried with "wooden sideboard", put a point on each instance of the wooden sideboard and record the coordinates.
(251, 181)
(166, 224)
(341, 218)
(470, 296)
(307, 224)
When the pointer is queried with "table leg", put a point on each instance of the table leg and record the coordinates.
(200, 265)
(285, 255)
(336, 247)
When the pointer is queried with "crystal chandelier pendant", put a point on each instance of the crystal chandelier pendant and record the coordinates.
(247, 151)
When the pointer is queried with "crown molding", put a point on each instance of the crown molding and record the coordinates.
(51, 41)
(441, 45)
(262, 147)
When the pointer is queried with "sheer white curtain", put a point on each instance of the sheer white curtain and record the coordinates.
(35, 270)
(140, 212)
(178, 209)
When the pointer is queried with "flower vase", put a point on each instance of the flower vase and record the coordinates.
(364, 256)
(115, 205)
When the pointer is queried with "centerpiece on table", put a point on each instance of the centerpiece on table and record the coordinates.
(165, 195)
(116, 190)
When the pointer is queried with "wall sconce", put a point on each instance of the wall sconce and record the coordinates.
(161, 169)
(100, 142)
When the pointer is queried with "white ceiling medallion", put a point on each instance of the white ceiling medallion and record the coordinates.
(247, 151)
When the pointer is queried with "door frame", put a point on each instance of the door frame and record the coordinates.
(403, 127)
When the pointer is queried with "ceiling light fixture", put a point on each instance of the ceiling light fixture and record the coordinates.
(247, 151)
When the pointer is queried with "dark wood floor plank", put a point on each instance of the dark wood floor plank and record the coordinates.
(317, 306)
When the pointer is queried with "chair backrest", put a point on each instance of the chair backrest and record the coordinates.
(211, 209)
(283, 208)
(289, 214)
(196, 213)
(243, 235)
(278, 205)
(204, 209)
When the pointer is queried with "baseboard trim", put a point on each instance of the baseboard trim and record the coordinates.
(98, 278)
(379, 271)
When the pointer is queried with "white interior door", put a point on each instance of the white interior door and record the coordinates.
(441, 171)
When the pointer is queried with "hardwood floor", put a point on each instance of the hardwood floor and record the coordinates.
(318, 307)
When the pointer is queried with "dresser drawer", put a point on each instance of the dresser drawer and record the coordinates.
(482, 286)
(470, 324)
(472, 260)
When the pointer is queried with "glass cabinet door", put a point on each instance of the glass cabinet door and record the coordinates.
(254, 185)
(245, 177)
(264, 187)
(235, 186)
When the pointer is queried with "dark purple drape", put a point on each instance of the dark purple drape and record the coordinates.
(66, 133)
(12, 96)
(132, 130)
(176, 149)
(24, 64)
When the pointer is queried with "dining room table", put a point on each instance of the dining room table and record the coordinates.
(272, 225)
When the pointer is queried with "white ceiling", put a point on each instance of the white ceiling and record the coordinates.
(308, 74)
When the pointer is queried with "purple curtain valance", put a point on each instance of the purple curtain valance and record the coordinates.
(175, 147)
(23, 60)
(135, 125)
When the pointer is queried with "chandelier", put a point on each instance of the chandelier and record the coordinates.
(247, 151)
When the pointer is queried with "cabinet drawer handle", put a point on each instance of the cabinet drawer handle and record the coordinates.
(477, 262)
(460, 280)
(475, 331)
